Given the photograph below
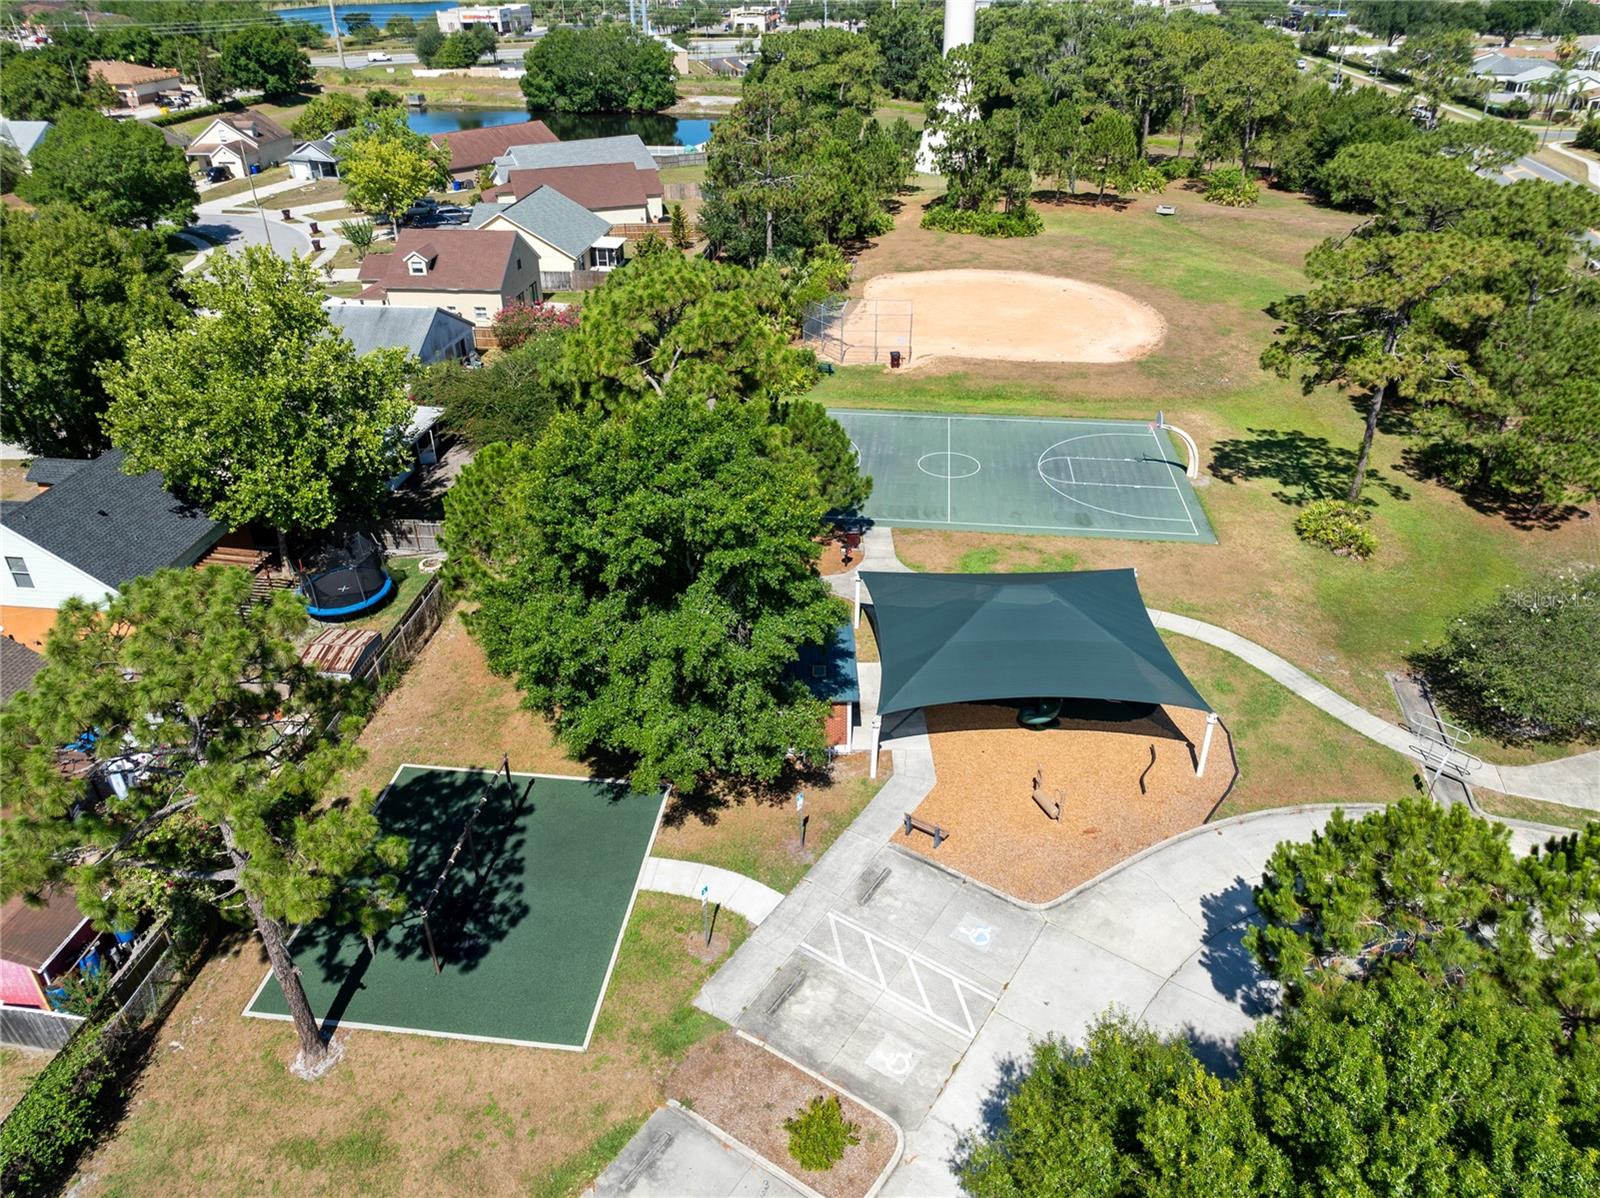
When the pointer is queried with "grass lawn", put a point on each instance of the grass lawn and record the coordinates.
(913, 112)
(346, 255)
(408, 579)
(216, 1112)
(317, 192)
(1269, 449)
(1576, 171)
(1512, 807)
(344, 290)
(446, 89)
(242, 187)
(683, 174)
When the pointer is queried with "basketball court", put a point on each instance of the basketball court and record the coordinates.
(518, 890)
(1091, 478)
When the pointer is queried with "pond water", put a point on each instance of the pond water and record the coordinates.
(653, 128)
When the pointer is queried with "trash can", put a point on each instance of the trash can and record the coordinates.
(255, 168)
(894, 359)
(456, 184)
(315, 232)
(285, 212)
(316, 245)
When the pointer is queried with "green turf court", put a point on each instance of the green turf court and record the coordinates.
(527, 930)
(1087, 478)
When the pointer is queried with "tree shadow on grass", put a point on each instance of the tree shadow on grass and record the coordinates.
(706, 803)
(1528, 513)
(1306, 468)
(1047, 198)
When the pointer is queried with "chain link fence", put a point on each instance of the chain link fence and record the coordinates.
(859, 331)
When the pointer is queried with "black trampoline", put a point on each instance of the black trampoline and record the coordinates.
(351, 581)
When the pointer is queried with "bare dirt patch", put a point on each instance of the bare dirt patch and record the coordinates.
(1123, 786)
(1014, 316)
(748, 1092)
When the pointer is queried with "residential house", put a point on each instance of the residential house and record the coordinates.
(24, 135)
(566, 236)
(428, 334)
(589, 151)
(502, 18)
(18, 665)
(41, 946)
(92, 531)
(618, 192)
(1508, 78)
(315, 159)
(135, 85)
(473, 149)
(238, 141)
(471, 272)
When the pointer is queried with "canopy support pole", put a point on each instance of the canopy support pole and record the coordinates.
(877, 728)
(1205, 745)
(856, 622)
(849, 727)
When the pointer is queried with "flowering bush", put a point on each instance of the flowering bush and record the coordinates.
(518, 324)
(1527, 665)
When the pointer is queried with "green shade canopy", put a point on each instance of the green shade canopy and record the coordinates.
(958, 638)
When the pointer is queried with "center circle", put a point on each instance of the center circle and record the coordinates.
(944, 464)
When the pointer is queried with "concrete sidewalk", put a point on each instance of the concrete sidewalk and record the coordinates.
(744, 896)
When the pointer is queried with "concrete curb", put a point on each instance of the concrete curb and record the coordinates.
(899, 1132)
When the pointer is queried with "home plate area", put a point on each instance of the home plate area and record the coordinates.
(1109, 478)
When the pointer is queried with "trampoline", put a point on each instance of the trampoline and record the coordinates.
(351, 581)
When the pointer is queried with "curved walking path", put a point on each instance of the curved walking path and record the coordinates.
(739, 894)
(1571, 781)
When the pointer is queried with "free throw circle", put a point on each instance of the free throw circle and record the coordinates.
(945, 464)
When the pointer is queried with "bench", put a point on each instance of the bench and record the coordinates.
(1051, 807)
(913, 824)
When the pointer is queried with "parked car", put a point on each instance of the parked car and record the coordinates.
(423, 207)
(378, 56)
(218, 174)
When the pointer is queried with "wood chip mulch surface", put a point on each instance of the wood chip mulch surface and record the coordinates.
(748, 1092)
(985, 764)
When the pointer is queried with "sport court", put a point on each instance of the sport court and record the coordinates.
(526, 925)
(1093, 478)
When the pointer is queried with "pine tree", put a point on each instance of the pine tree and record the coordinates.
(214, 755)
(682, 238)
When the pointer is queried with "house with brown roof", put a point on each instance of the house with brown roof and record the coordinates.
(135, 85)
(471, 272)
(618, 192)
(471, 149)
(238, 141)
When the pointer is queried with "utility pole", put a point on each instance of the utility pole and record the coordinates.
(333, 20)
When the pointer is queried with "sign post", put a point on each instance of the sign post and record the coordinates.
(705, 912)
(800, 811)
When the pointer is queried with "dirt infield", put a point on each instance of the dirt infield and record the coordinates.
(985, 763)
(1015, 316)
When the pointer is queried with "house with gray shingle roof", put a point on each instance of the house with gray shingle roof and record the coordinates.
(589, 151)
(428, 334)
(94, 530)
(315, 159)
(566, 235)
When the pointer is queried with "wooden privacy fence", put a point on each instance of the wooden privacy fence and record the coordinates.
(407, 638)
(570, 280)
(680, 191)
(28, 1027)
(411, 536)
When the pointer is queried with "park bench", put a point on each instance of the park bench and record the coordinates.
(913, 824)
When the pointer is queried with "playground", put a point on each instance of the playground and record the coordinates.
(1092, 478)
(518, 890)
(1112, 780)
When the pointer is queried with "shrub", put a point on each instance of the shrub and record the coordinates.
(1231, 186)
(1588, 137)
(1144, 178)
(360, 234)
(1515, 110)
(1176, 167)
(1337, 525)
(1527, 665)
(520, 323)
(178, 115)
(60, 1112)
(819, 1133)
(1023, 222)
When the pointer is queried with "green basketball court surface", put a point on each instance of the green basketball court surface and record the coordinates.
(527, 926)
(1089, 478)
